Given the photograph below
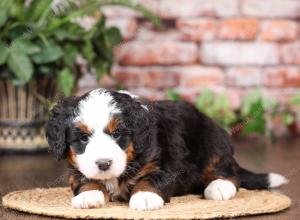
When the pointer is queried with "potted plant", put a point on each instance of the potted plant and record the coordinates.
(40, 45)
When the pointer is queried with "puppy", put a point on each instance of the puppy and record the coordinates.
(122, 148)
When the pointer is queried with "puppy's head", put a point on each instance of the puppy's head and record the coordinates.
(99, 132)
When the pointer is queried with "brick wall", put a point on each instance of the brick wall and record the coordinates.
(232, 45)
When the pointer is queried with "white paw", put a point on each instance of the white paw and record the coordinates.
(143, 201)
(220, 190)
(88, 199)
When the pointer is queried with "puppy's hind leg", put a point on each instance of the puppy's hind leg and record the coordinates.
(220, 179)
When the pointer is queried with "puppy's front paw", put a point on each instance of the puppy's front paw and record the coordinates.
(220, 190)
(143, 201)
(88, 199)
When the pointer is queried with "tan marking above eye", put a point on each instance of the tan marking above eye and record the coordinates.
(112, 126)
(83, 128)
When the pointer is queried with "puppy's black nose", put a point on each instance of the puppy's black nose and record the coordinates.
(104, 164)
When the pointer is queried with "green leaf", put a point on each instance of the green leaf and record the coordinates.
(3, 53)
(287, 118)
(38, 10)
(88, 51)
(3, 17)
(102, 68)
(255, 122)
(65, 81)
(206, 98)
(295, 99)
(25, 47)
(63, 34)
(16, 9)
(19, 31)
(48, 54)
(114, 36)
(70, 54)
(173, 95)
(21, 66)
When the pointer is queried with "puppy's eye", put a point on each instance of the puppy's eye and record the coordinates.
(116, 134)
(84, 138)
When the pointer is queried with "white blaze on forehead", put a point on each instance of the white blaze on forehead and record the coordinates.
(96, 109)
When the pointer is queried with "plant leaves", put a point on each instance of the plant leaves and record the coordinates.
(38, 9)
(70, 54)
(102, 68)
(21, 66)
(3, 53)
(255, 122)
(173, 95)
(25, 47)
(65, 81)
(114, 36)
(3, 17)
(287, 118)
(19, 31)
(48, 54)
(88, 52)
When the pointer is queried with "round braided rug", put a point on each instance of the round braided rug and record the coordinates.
(56, 202)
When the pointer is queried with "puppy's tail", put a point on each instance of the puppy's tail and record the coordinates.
(250, 180)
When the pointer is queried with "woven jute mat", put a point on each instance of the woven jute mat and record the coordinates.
(56, 202)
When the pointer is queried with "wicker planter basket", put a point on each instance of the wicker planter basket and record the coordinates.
(22, 114)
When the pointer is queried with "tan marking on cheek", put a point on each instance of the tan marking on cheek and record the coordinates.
(71, 156)
(112, 125)
(130, 152)
(83, 128)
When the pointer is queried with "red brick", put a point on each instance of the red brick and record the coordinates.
(120, 11)
(147, 93)
(271, 8)
(156, 52)
(279, 30)
(238, 29)
(237, 53)
(244, 76)
(197, 29)
(128, 27)
(199, 76)
(282, 77)
(188, 94)
(148, 34)
(234, 94)
(290, 53)
(279, 94)
(149, 76)
(125, 77)
(196, 8)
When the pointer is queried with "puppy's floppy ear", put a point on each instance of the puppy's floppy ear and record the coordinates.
(60, 120)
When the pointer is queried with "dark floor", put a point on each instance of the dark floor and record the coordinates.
(19, 172)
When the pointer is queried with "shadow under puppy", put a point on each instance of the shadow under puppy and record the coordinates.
(122, 148)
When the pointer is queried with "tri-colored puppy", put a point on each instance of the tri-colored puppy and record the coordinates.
(120, 147)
